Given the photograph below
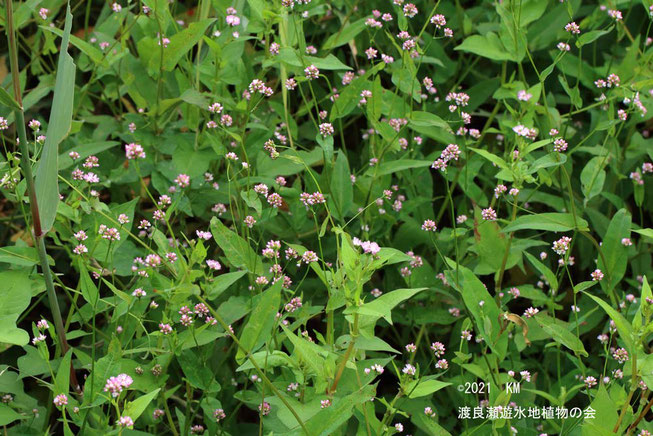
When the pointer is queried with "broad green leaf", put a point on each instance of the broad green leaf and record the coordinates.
(307, 352)
(488, 46)
(7, 99)
(88, 149)
(489, 241)
(62, 380)
(583, 286)
(180, 44)
(591, 36)
(8, 415)
(328, 420)
(647, 233)
(290, 57)
(221, 283)
(646, 368)
(615, 253)
(89, 290)
(382, 307)
(235, 248)
(350, 95)
(548, 161)
(46, 178)
(342, 191)
(592, 177)
(327, 147)
(15, 294)
(93, 53)
(573, 93)
(492, 158)
(646, 293)
(544, 270)
(251, 199)
(623, 326)
(394, 166)
(555, 222)
(561, 333)
(425, 386)
(481, 305)
(267, 359)
(261, 321)
(606, 415)
(344, 35)
(134, 409)
(192, 162)
(19, 256)
(428, 425)
(199, 376)
(427, 119)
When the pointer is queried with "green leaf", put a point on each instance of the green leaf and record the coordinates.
(591, 36)
(616, 255)
(8, 415)
(15, 294)
(192, 162)
(61, 113)
(548, 161)
(290, 57)
(180, 44)
(199, 376)
(89, 290)
(307, 352)
(222, 282)
(606, 415)
(382, 306)
(8, 100)
(428, 425)
(88, 149)
(623, 326)
(235, 248)
(583, 286)
(261, 321)
(489, 241)
(487, 46)
(646, 293)
(342, 191)
(134, 409)
(592, 177)
(252, 200)
(481, 305)
(20, 256)
(62, 380)
(394, 166)
(344, 35)
(424, 386)
(555, 222)
(573, 93)
(328, 420)
(427, 119)
(492, 158)
(93, 53)
(544, 270)
(647, 233)
(561, 333)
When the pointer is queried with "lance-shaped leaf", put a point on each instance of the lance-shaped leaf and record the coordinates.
(61, 114)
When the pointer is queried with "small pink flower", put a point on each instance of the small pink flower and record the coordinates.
(597, 275)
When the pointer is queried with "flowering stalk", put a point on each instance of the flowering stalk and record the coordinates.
(29, 179)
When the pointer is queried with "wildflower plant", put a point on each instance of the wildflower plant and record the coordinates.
(311, 217)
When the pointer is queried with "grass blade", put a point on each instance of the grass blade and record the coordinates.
(47, 186)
